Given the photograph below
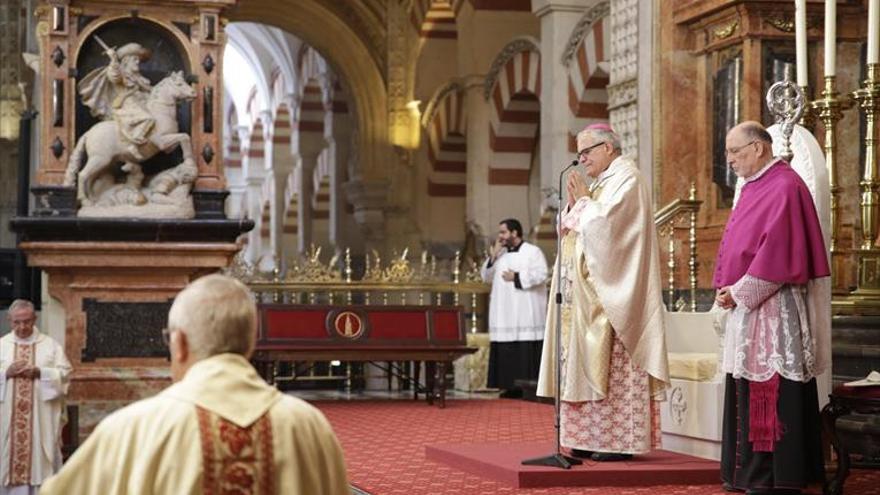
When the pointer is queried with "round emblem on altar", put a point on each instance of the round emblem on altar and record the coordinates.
(348, 324)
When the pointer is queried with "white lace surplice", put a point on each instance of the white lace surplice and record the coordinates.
(768, 332)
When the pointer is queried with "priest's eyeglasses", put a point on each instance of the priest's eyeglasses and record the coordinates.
(734, 151)
(586, 151)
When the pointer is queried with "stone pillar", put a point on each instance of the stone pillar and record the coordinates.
(478, 156)
(267, 257)
(235, 174)
(623, 90)
(342, 145)
(645, 143)
(310, 149)
(282, 167)
(558, 19)
(254, 175)
(370, 201)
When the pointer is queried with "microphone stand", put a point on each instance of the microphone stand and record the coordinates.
(558, 459)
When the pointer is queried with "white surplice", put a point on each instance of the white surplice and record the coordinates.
(221, 429)
(31, 412)
(517, 314)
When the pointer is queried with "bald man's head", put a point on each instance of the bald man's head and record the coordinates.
(748, 148)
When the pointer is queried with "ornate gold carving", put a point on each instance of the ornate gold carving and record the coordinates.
(400, 269)
(783, 24)
(42, 28)
(240, 268)
(726, 31)
(310, 269)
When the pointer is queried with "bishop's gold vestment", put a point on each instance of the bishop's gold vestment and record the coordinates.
(613, 338)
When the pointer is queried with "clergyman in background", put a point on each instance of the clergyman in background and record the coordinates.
(518, 273)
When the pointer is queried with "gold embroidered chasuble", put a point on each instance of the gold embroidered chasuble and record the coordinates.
(220, 430)
(611, 290)
(31, 410)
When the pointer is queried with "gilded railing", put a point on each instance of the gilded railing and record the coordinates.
(667, 219)
(309, 280)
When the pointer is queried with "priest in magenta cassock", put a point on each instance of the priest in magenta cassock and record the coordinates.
(771, 252)
(614, 364)
(34, 376)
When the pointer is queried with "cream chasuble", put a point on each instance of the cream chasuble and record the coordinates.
(31, 411)
(220, 430)
(613, 340)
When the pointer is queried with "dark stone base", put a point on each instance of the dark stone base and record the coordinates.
(54, 201)
(210, 204)
(124, 329)
(47, 229)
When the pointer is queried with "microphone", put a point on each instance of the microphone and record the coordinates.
(570, 165)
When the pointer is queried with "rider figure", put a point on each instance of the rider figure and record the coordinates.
(119, 92)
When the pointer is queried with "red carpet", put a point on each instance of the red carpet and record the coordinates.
(385, 443)
(503, 462)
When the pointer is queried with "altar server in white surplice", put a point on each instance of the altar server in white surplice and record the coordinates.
(219, 428)
(33, 383)
(517, 271)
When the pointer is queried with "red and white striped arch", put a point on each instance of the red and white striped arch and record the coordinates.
(256, 148)
(587, 81)
(434, 19)
(283, 131)
(515, 115)
(232, 160)
(447, 146)
(312, 111)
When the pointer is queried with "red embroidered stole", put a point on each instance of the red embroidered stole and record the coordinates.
(236, 460)
(22, 422)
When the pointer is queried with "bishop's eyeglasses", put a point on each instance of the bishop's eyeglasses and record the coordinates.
(586, 151)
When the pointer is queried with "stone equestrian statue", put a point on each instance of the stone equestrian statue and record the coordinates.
(138, 121)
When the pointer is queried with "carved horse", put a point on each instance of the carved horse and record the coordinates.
(104, 146)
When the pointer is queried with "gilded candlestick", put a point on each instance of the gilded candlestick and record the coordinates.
(868, 97)
(830, 109)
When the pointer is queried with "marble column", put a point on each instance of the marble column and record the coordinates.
(306, 169)
(477, 209)
(645, 124)
(623, 90)
(370, 198)
(558, 19)
(235, 175)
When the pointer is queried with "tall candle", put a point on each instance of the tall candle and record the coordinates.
(800, 37)
(830, 37)
(873, 30)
